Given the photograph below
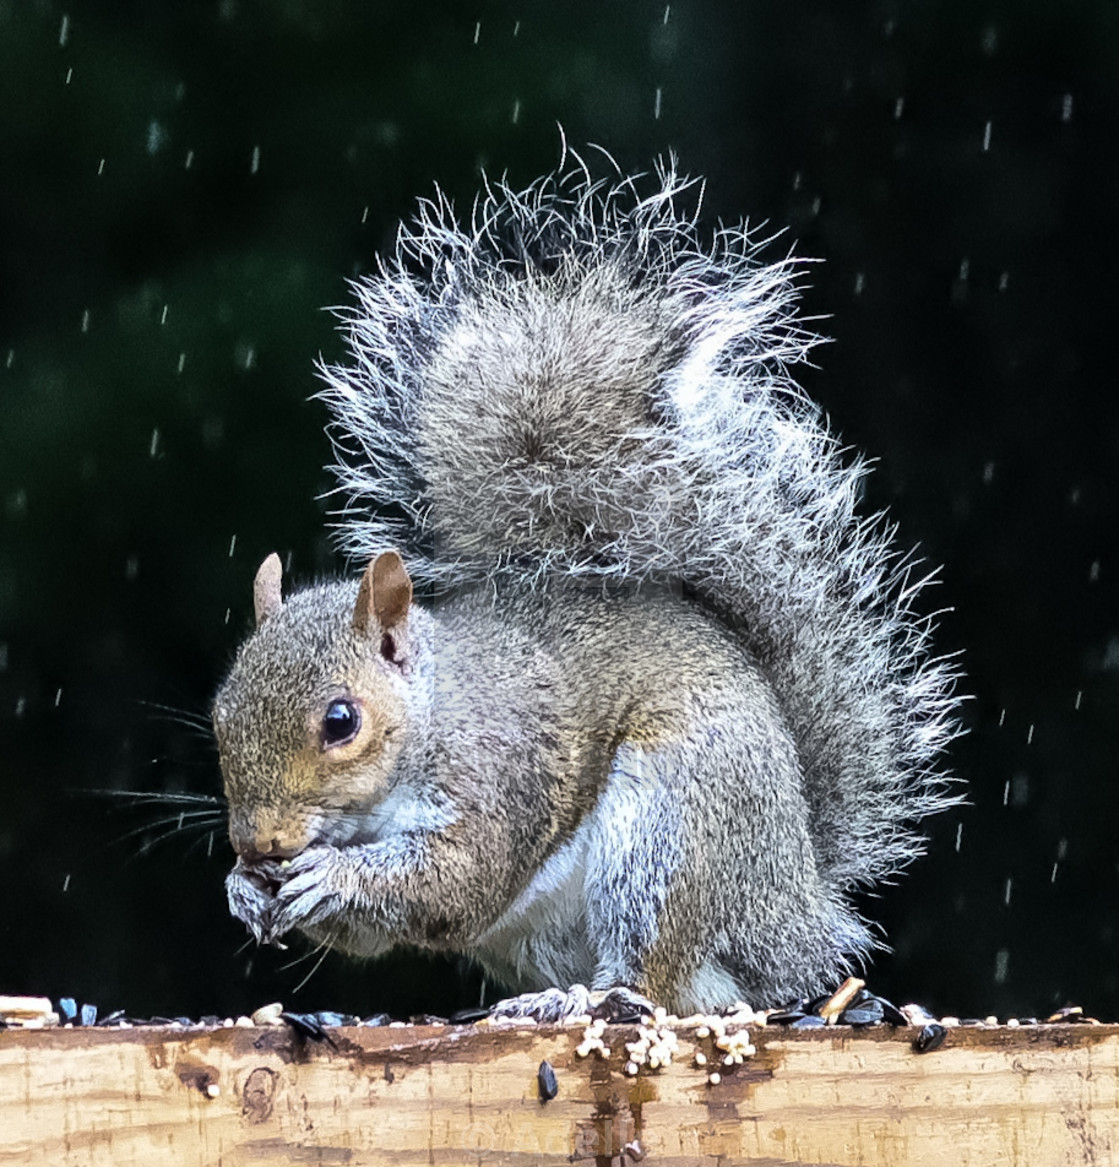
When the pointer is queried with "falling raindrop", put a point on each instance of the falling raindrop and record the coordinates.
(657, 104)
(16, 503)
(157, 137)
(1002, 961)
(64, 32)
(254, 166)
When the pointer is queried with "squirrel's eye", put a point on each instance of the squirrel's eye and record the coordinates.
(340, 722)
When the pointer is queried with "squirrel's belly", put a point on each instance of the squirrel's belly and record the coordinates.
(540, 940)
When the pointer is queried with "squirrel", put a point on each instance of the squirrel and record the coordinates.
(663, 701)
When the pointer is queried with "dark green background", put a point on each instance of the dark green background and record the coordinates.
(161, 313)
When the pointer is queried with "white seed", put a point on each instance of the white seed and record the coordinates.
(268, 1014)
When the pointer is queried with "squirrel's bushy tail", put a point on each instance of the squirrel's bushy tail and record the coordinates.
(573, 383)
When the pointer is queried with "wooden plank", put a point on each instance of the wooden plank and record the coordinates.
(1044, 1095)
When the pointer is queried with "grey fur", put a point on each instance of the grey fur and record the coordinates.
(564, 414)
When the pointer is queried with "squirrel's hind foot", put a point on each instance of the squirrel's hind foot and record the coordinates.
(617, 1006)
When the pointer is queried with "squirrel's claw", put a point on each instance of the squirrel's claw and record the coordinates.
(312, 891)
(250, 904)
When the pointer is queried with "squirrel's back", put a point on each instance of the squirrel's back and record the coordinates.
(578, 384)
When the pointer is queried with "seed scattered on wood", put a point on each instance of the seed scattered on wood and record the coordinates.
(268, 1014)
(929, 1038)
(840, 999)
(546, 1082)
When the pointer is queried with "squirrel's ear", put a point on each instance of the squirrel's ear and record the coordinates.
(384, 596)
(267, 595)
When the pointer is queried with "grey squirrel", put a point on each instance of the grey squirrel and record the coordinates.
(668, 703)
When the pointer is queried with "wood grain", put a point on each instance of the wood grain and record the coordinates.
(1044, 1095)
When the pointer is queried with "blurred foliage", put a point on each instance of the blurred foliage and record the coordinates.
(185, 187)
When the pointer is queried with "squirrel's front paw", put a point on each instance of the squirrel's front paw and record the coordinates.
(250, 901)
(315, 887)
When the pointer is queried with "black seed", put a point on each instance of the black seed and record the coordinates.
(930, 1038)
(868, 1012)
(788, 1013)
(784, 1017)
(468, 1016)
(809, 1022)
(68, 1007)
(307, 1025)
(546, 1080)
(328, 1017)
(891, 1014)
